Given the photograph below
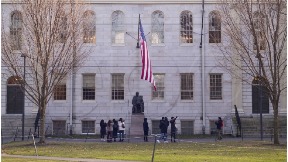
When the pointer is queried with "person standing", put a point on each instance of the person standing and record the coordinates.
(115, 129)
(109, 131)
(162, 126)
(103, 126)
(145, 129)
(173, 128)
(219, 125)
(121, 126)
(166, 121)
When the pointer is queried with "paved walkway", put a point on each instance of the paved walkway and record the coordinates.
(61, 158)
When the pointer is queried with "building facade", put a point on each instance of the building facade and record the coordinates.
(190, 83)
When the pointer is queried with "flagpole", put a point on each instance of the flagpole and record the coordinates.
(138, 33)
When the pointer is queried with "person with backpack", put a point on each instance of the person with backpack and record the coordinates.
(163, 128)
(219, 125)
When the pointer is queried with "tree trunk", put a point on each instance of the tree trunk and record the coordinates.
(276, 123)
(42, 125)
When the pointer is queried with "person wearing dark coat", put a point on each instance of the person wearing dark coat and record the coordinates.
(163, 128)
(115, 129)
(103, 126)
(219, 125)
(173, 128)
(145, 129)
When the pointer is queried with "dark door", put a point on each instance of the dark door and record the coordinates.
(15, 99)
(256, 98)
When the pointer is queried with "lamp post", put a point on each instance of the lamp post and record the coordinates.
(260, 96)
(23, 112)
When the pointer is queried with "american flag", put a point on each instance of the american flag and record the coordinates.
(147, 73)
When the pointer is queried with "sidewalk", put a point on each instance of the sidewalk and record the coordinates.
(60, 158)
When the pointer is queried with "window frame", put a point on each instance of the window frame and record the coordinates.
(118, 28)
(89, 27)
(215, 30)
(160, 93)
(189, 36)
(16, 29)
(89, 91)
(157, 28)
(60, 91)
(259, 22)
(187, 90)
(213, 88)
(117, 92)
(91, 124)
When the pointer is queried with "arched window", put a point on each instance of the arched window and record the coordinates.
(157, 29)
(118, 27)
(63, 27)
(89, 27)
(259, 25)
(15, 96)
(186, 28)
(16, 30)
(214, 27)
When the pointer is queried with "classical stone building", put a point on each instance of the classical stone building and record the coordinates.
(190, 83)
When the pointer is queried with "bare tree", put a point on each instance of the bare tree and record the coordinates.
(49, 34)
(255, 34)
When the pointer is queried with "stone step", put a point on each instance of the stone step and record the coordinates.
(136, 127)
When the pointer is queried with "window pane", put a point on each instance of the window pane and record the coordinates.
(16, 30)
(157, 31)
(59, 127)
(186, 29)
(117, 87)
(159, 94)
(215, 86)
(88, 126)
(89, 27)
(187, 127)
(186, 86)
(89, 87)
(118, 27)
(214, 27)
(60, 92)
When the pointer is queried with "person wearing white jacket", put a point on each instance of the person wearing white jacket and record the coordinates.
(121, 125)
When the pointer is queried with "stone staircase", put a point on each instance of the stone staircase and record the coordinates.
(136, 127)
(251, 126)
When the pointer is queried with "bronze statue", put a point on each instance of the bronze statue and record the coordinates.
(138, 104)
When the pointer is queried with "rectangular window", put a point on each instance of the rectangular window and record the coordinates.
(159, 94)
(155, 127)
(89, 87)
(187, 127)
(59, 127)
(117, 86)
(88, 126)
(215, 86)
(60, 92)
(187, 86)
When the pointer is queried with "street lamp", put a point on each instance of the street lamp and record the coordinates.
(24, 81)
(260, 95)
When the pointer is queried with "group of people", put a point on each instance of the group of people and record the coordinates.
(112, 129)
(163, 125)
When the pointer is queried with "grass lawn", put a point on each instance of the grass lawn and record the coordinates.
(181, 152)
(9, 159)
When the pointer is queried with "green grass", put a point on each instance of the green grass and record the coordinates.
(180, 152)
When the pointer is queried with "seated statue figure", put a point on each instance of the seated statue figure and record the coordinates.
(138, 104)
